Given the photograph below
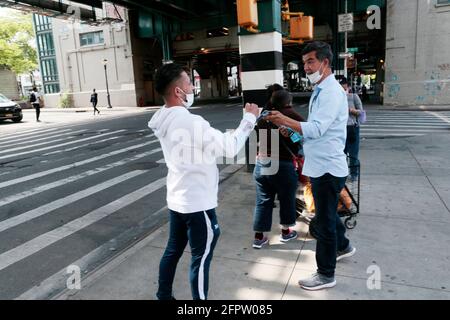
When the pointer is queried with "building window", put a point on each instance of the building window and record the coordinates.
(42, 23)
(91, 38)
(45, 45)
(443, 2)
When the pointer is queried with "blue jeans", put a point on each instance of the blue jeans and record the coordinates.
(352, 149)
(326, 226)
(202, 231)
(284, 183)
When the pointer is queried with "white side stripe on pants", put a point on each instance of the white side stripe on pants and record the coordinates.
(201, 273)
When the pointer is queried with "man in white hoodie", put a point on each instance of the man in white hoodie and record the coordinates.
(191, 146)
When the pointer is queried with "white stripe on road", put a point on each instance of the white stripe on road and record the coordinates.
(401, 129)
(61, 144)
(31, 247)
(406, 123)
(446, 119)
(43, 143)
(383, 117)
(19, 137)
(78, 147)
(45, 187)
(26, 133)
(404, 126)
(73, 165)
(85, 145)
(201, 271)
(46, 208)
(383, 134)
(57, 281)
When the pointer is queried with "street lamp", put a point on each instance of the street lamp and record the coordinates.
(104, 62)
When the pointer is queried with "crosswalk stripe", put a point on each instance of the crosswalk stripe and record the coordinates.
(408, 123)
(48, 186)
(388, 117)
(46, 208)
(43, 143)
(85, 145)
(81, 146)
(26, 133)
(390, 134)
(73, 165)
(446, 119)
(42, 137)
(27, 249)
(402, 126)
(401, 130)
(57, 281)
(60, 145)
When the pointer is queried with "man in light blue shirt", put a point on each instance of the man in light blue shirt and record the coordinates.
(325, 162)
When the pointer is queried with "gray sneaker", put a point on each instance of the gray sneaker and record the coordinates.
(317, 282)
(345, 253)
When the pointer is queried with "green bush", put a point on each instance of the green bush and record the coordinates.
(66, 101)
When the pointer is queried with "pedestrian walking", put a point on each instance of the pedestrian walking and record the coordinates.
(35, 100)
(94, 100)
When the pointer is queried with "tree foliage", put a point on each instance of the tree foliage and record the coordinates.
(17, 51)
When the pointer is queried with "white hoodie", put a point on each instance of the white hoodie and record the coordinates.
(191, 146)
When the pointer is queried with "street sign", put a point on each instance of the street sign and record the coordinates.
(344, 55)
(353, 50)
(345, 22)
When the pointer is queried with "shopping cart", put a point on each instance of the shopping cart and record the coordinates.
(348, 210)
(349, 201)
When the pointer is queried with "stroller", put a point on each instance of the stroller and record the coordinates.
(348, 207)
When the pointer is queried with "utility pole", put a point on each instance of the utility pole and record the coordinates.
(346, 45)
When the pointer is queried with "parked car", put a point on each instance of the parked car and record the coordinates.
(10, 110)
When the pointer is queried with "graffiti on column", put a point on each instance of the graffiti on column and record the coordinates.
(433, 86)
(393, 88)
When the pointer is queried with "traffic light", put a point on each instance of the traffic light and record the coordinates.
(247, 14)
(284, 10)
(302, 28)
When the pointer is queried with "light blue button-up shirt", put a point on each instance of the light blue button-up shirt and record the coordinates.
(325, 131)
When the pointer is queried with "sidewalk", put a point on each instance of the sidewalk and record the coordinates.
(403, 229)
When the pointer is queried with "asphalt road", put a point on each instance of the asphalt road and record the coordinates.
(77, 189)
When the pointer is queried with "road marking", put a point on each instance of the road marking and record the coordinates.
(60, 145)
(26, 133)
(82, 146)
(31, 247)
(19, 137)
(42, 143)
(383, 134)
(73, 165)
(439, 116)
(45, 187)
(85, 145)
(396, 128)
(46, 208)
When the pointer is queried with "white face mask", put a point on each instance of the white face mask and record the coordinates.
(316, 76)
(189, 100)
